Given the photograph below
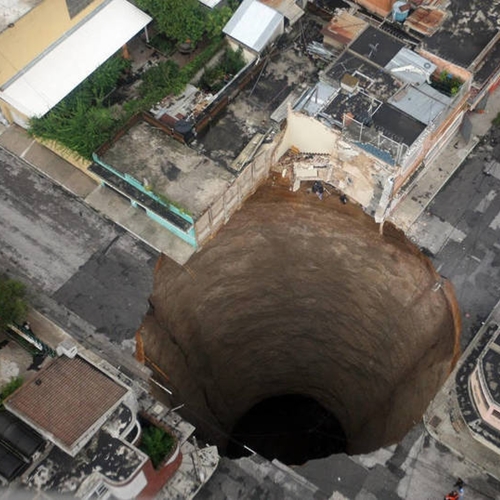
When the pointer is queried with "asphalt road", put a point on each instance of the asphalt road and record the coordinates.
(62, 249)
(461, 231)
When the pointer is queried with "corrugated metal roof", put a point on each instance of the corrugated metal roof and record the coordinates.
(410, 67)
(210, 3)
(253, 24)
(423, 103)
(51, 78)
(316, 98)
(425, 21)
(344, 28)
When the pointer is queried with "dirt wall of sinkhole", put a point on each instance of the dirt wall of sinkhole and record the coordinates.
(301, 296)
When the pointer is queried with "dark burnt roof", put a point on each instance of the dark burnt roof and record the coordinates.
(468, 28)
(376, 45)
(18, 436)
(397, 125)
(489, 65)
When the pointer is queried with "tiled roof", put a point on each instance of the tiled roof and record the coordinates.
(66, 400)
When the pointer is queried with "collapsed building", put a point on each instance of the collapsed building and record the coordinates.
(366, 104)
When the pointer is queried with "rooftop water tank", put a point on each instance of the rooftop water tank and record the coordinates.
(400, 11)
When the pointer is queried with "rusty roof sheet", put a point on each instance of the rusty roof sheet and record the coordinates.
(344, 28)
(425, 21)
(286, 7)
(66, 400)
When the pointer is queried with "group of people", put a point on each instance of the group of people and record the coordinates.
(457, 493)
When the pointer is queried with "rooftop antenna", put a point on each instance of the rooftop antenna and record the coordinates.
(373, 48)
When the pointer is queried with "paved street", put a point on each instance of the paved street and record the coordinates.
(461, 230)
(64, 250)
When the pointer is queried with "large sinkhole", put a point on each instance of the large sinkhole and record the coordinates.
(301, 320)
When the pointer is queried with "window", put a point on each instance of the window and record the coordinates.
(76, 6)
(480, 391)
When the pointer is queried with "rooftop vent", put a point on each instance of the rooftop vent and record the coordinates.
(349, 83)
(68, 348)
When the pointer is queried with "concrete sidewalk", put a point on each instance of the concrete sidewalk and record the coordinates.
(443, 418)
(104, 200)
(417, 197)
(413, 202)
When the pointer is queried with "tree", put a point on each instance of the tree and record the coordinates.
(216, 20)
(13, 307)
(180, 20)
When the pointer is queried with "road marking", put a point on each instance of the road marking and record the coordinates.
(483, 205)
(495, 223)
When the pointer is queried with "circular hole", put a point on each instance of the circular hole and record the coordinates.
(298, 296)
(290, 428)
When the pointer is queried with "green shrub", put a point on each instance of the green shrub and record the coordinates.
(157, 444)
(162, 80)
(496, 120)
(9, 389)
(447, 83)
(201, 59)
(180, 20)
(214, 78)
(81, 122)
(161, 43)
(13, 306)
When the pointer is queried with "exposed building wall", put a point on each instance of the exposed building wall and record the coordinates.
(351, 170)
(12, 115)
(35, 32)
(132, 488)
(157, 478)
(431, 143)
(245, 184)
(307, 135)
(248, 54)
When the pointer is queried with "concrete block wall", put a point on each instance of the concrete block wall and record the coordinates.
(231, 200)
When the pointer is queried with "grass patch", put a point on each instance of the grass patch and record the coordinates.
(496, 120)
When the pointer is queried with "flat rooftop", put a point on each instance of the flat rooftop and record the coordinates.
(374, 80)
(171, 169)
(66, 400)
(285, 74)
(467, 29)
(376, 45)
(112, 457)
(12, 10)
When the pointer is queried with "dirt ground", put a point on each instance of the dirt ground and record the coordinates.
(301, 296)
